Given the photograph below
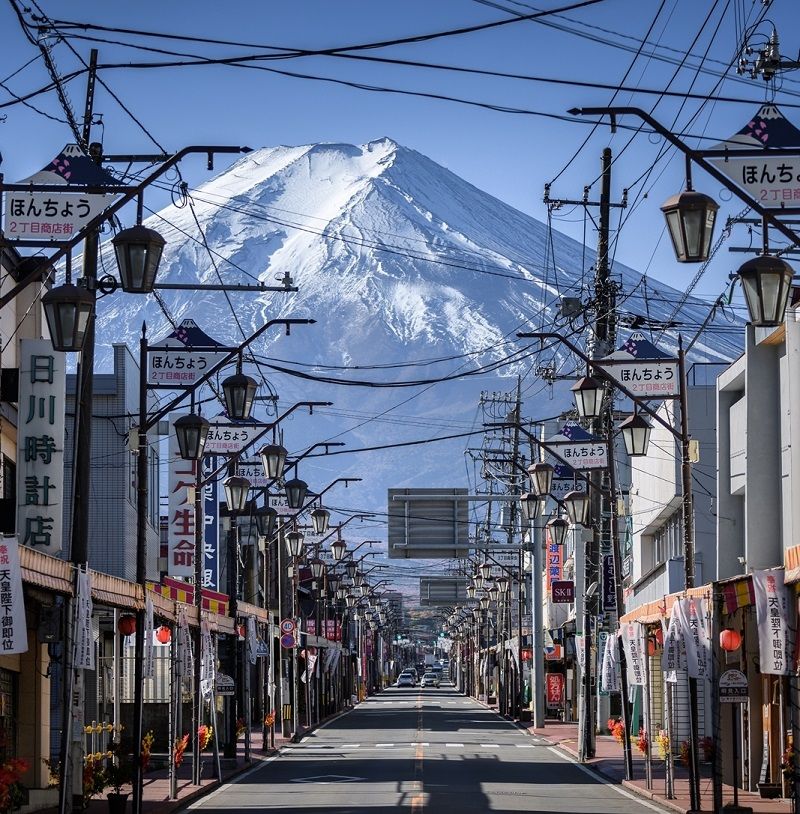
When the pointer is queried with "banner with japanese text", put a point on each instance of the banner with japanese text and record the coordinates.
(180, 520)
(772, 616)
(149, 666)
(40, 446)
(83, 655)
(208, 672)
(633, 641)
(673, 657)
(609, 673)
(13, 631)
(692, 618)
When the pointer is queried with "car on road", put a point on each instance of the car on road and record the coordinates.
(430, 680)
(405, 680)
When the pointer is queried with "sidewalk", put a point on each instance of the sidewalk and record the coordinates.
(609, 763)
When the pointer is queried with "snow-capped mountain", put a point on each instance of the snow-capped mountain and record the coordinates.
(413, 275)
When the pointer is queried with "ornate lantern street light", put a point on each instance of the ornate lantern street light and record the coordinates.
(295, 542)
(588, 393)
(68, 309)
(530, 505)
(320, 518)
(317, 569)
(690, 217)
(191, 432)
(236, 491)
(266, 519)
(766, 282)
(503, 585)
(138, 252)
(295, 492)
(558, 528)
(483, 602)
(485, 569)
(273, 458)
(577, 503)
(636, 435)
(338, 549)
(470, 592)
(493, 593)
(541, 475)
(239, 392)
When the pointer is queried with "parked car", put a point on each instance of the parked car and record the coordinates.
(405, 680)
(430, 680)
(412, 674)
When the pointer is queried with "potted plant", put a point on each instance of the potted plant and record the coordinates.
(118, 774)
(94, 776)
(12, 792)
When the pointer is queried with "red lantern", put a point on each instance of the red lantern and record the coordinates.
(730, 639)
(651, 646)
(660, 636)
(164, 634)
(126, 624)
(242, 630)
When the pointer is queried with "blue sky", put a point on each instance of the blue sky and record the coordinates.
(510, 156)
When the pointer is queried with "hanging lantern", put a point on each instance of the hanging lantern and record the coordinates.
(266, 518)
(191, 432)
(68, 309)
(295, 492)
(239, 392)
(502, 585)
(320, 518)
(730, 640)
(576, 504)
(317, 569)
(273, 458)
(236, 491)
(530, 505)
(558, 528)
(338, 549)
(636, 435)
(588, 393)
(295, 542)
(470, 592)
(126, 624)
(690, 217)
(766, 282)
(651, 646)
(659, 634)
(541, 475)
(485, 569)
(164, 634)
(138, 251)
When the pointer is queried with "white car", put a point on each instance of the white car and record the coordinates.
(430, 680)
(405, 680)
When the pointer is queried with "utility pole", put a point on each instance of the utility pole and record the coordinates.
(601, 343)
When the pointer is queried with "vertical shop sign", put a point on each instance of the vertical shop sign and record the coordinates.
(13, 630)
(40, 446)
(180, 522)
(772, 604)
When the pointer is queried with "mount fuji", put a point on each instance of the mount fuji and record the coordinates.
(418, 281)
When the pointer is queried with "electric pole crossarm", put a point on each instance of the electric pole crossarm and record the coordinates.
(696, 156)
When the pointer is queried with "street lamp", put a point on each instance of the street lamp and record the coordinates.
(236, 491)
(295, 492)
(530, 505)
(273, 458)
(191, 432)
(483, 602)
(576, 504)
(68, 309)
(541, 475)
(294, 544)
(493, 593)
(766, 282)
(338, 549)
(503, 585)
(317, 569)
(138, 252)
(320, 518)
(239, 391)
(690, 217)
(470, 592)
(485, 569)
(588, 394)
(636, 435)
(266, 519)
(558, 528)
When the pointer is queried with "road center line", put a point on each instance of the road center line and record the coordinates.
(418, 800)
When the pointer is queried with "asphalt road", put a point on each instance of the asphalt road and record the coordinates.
(415, 750)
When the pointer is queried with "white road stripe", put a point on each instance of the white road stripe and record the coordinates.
(377, 745)
(455, 745)
(489, 745)
(598, 777)
(524, 745)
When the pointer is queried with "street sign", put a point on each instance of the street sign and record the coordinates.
(229, 437)
(609, 586)
(642, 368)
(288, 641)
(733, 687)
(578, 448)
(288, 626)
(555, 689)
(262, 649)
(562, 590)
(224, 685)
(183, 357)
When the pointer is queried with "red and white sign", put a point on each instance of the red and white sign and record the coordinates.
(555, 561)
(555, 689)
(562, 590)
(287, 626)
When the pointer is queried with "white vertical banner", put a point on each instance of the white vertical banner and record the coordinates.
(83, 656)
(207, 661)
(185, 657)
(40, 445)
(252, 640)
(633, 641)
(609, 672)
(13, 630)
(774, 636)
(149, 665)
(693, 620)
(672, 657)
(180, 519)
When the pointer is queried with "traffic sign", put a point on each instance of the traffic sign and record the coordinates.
(288, 640)
(288, 626)
(733, 687)
(224, 685)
